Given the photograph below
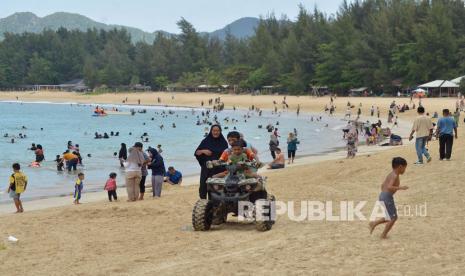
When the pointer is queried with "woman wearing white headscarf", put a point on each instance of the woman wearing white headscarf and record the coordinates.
(133, 171)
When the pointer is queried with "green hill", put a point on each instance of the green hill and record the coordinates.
(29, 22)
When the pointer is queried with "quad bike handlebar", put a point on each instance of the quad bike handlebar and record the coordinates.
(220, 163)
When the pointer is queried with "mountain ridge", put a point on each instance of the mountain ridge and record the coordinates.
(22, 22)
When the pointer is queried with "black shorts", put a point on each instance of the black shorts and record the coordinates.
(290, 153)
(142, 184)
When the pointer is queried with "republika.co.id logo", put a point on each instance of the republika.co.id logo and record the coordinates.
(312, 210)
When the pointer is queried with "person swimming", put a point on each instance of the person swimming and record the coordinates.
(33, 147)
(39, 154)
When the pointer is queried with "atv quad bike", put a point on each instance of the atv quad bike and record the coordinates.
(226, 195)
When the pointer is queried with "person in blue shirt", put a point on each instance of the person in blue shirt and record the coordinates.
(173, 176)
(446, 129)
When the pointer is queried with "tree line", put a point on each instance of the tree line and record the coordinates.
(373, 43)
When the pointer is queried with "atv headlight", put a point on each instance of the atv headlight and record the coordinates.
(217, 187)
(248, 188)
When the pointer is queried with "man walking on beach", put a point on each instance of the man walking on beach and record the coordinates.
(446, 128)
(424, 130)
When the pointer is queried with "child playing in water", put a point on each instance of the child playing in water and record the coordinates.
(60, 163)
(389, 187)
(18, 184)
(110, 187)
(78, 188)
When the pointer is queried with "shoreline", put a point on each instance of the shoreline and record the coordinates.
(48, 202)
(336, 153)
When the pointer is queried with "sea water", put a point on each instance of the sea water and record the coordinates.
(61, 123)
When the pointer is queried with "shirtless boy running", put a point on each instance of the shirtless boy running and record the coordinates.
(389, 187)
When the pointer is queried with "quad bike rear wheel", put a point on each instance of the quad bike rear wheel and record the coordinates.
(202, 215)
(265, 225)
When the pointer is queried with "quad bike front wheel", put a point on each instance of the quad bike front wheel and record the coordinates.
(202, 215)
(265, 225)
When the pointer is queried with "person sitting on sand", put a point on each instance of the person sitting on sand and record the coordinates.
(18, 184)
(395, 140)
(389, 187)
(278, 162)
(173, 177)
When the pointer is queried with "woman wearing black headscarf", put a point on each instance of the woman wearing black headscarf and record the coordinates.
(123, 154)
(209, 149)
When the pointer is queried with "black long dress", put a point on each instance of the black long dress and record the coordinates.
(216, 146)
(123, 154)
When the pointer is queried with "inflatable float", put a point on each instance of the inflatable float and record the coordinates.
(34, 165)
(112, 112)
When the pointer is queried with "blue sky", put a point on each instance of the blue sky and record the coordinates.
(206, 15)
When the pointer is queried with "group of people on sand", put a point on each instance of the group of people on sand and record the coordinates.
(276, 152)
(136, 164)
(374, 133)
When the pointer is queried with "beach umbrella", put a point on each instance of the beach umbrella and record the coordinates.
(419, 93)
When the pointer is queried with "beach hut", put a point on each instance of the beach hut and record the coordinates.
(437, 87)
(73, 85)
(362, 91)
(206, 87)
(319, 90)
(140, 87)
(458, 80)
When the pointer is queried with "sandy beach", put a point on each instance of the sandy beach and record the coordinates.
(307, 103)
(155, 236)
